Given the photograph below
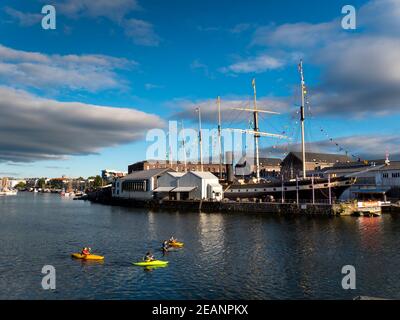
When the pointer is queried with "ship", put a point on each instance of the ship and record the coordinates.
(302, 189)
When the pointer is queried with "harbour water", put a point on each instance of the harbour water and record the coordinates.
(226, 256)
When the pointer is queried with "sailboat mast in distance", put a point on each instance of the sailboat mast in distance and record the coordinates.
(302, 118)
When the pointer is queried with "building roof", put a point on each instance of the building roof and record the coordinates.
(145, 174)
(353, 167)
(176, 174)
(204, 174)
(183, 189)
(164, 189)
(321, 157)
(273, 162)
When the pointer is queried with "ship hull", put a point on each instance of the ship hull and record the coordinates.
(304, 190)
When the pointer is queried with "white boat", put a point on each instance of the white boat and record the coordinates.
(8, 192)
(68, 194)
(4, 188)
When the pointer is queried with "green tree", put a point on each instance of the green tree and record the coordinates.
(98, 182)
(21, 185)
(41, 183)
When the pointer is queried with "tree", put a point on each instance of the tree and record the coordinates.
(98, 182)
(21, 185)
(41, 183)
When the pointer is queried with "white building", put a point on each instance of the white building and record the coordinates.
(193, 185)
(138, 185)
(109, 175)
(374, 180)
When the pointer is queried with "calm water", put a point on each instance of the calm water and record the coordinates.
(226, 256)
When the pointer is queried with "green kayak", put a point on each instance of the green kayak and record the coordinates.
(151, 263)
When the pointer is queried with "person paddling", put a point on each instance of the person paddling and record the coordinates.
(165, 246)
(148, 257)
(172, 240)
(86, 251)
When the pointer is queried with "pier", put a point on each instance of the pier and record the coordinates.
(335, 209)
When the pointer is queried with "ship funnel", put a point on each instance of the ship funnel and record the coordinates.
(229, 166)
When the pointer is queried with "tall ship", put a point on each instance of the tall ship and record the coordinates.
(303, 187)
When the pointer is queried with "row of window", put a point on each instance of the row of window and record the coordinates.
(394, 175)
(134, 186)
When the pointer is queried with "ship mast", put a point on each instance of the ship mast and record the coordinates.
(256, 132)
(200, 140)
(184, 147)
(302, 118)
(219, 137)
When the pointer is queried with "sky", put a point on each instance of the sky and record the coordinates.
(82, 97)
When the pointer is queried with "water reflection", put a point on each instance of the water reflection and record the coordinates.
(226, 256)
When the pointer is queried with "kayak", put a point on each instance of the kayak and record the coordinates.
(87, 257)
(153, 263)
(176, 244)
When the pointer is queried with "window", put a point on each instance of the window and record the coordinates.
(396, 175)
(385, 175)
(134, 186)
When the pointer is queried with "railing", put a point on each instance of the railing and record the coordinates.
(301, 201)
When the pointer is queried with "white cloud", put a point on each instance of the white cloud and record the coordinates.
(41, 71)
(380, 16)
(209, 108)
(114, 10)
(197, 65)
(151, 86)
(240, 28)
(370, 147)
(257, 64)
(141, 32)
(118, 11)
(359, 70)
(33, 128)
(296, 35)
(24, 19)
(362, 76)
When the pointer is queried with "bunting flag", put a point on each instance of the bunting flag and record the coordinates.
(340, 148)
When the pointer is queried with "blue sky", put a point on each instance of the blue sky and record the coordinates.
(153, 61)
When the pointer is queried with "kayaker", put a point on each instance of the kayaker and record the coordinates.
(165, 246)
(149, 257)
(172, 239)
(86, 251)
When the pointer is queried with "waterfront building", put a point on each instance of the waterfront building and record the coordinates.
(109, 175)
(292, 165)
(177, 166)
(376, 179)
(193, 185)
(138, 185)
(11, 183)
(269, 167)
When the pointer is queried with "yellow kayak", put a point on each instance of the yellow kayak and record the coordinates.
(87, 257)
(176, 244)
(154, 263)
